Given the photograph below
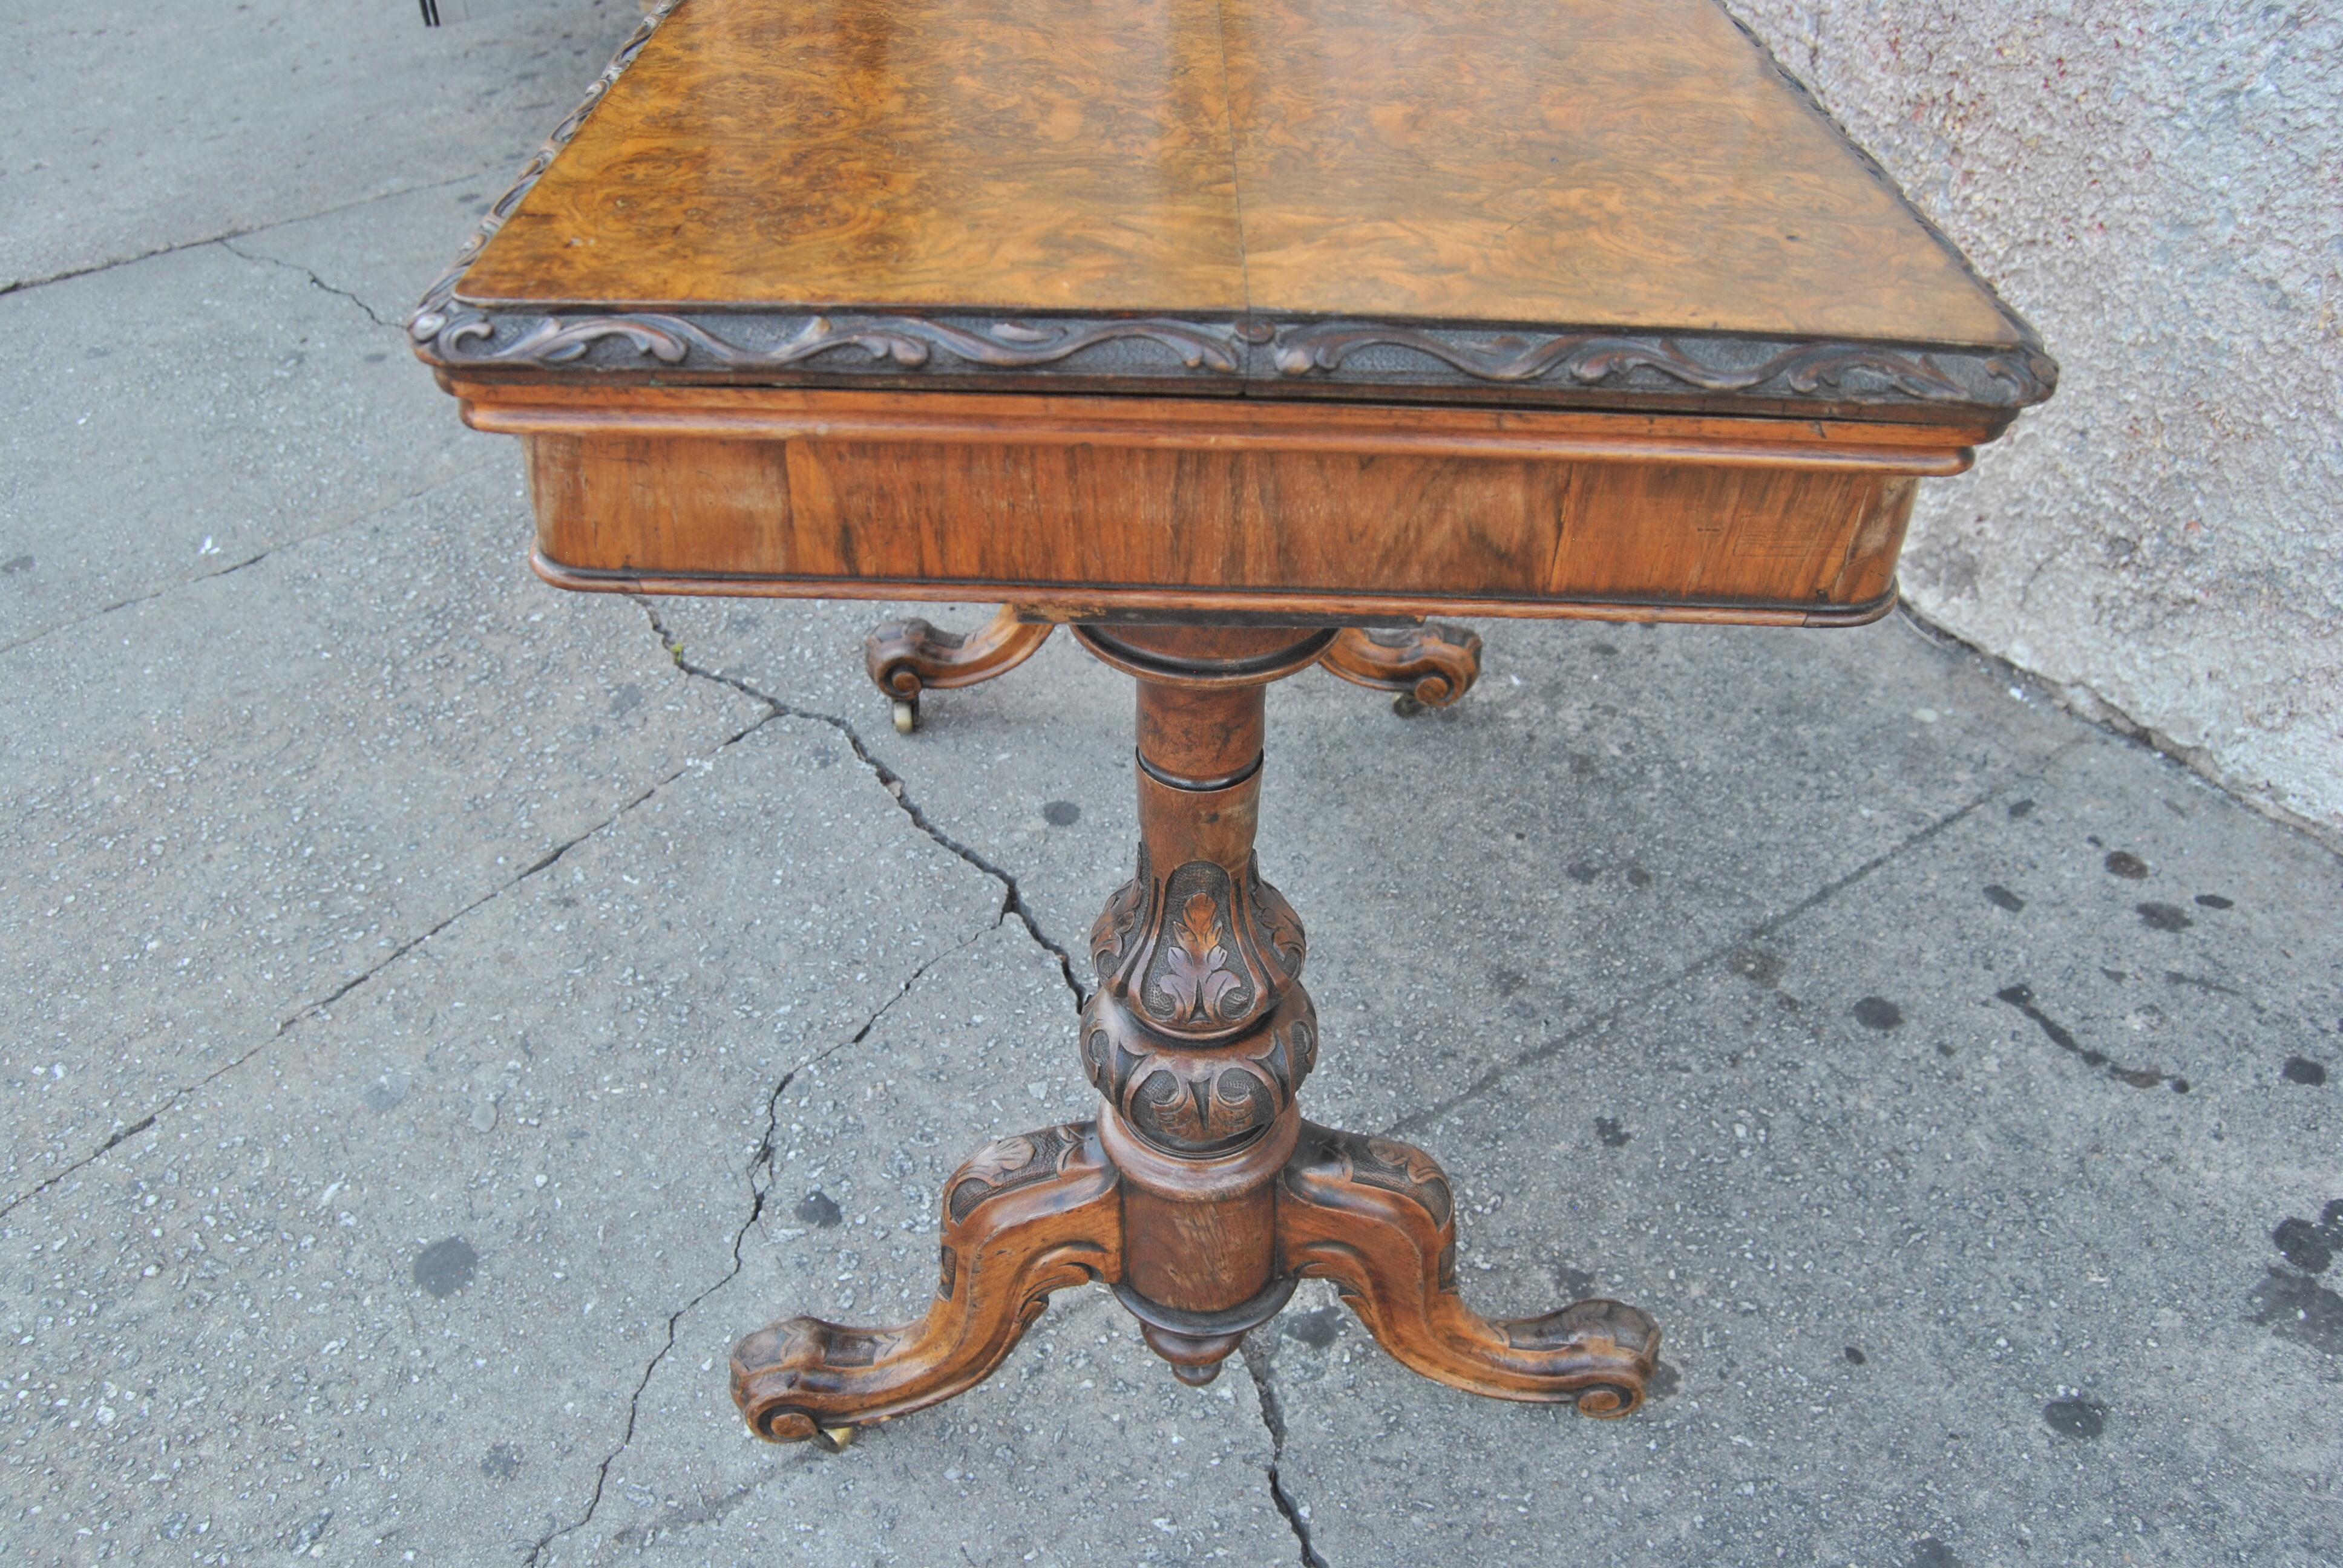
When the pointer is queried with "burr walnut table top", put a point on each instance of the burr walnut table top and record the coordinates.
(1328, 309)
(1598, 203)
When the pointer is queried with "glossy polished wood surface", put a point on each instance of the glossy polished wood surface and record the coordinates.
(1622, 163)
(1212, 504)
(1049, 154)
(1629, 163)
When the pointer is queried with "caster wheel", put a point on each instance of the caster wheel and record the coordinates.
(835, 1439)
(907, 719)
(1406, 706)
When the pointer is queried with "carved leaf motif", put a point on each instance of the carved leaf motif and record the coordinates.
(463, 335)
(1800, 370)
(1198, 977)
(1111, 935)
(1000, 1159)
(1280, 926)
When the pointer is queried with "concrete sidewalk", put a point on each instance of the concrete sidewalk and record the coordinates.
(438, 1015)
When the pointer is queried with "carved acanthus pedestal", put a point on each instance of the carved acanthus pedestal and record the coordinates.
(1198, 1034)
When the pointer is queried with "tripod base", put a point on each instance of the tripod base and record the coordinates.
(1200, 1195)
(1040, 1213)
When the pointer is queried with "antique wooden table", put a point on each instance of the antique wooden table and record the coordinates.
(1239, 336)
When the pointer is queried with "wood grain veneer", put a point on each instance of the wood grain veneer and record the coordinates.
(1030, 155)
(1623, 163)
(1200, 503)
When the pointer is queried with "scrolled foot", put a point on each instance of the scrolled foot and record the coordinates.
(1026, 1216)
(906, 657)
(1378, 1217)
(1429, 665)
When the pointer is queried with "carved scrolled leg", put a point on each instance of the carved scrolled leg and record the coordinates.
(1026, 1216)
(1430, 665)
(907, 657)
(1379, 1219)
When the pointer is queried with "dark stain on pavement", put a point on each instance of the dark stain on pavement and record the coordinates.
(1576, 1284)
(1756, 966)
(1994, 893)
(2158, 917)
(1664, 1383)
(1855, 1356)
(1930, 1552)
(501, 1462)
(2302, 1069)
(2290, 1301)
(1878, 1012)
(2216, 902)
(1062, 813)
(2299, 1307)
(2020, 809)
(2076, 1417)
(1315, 1329)
(2021, 997)
(446, 1266)
(2125, 864)
(817, 1209)
(2311, 1245)
(1611, 1135)
(15, 564)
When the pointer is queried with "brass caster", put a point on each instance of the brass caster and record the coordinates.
(835, 1439)
(907, 718)
(1405, 705)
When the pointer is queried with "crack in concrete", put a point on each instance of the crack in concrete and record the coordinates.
(20, 285)
(768, 1146)
(1273, 1416)
(759, 1191)
(374, 510)
(1013, 901)
(315, 280)
(635, 1400)
(318, 1008)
